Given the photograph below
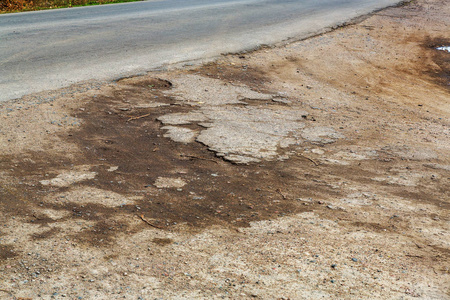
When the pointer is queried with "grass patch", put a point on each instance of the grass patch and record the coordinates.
(10, 6)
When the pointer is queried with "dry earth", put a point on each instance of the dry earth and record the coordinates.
(317, 169)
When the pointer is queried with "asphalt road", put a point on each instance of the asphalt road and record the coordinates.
(50, 49)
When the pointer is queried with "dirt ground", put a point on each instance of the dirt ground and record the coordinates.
(314, 170)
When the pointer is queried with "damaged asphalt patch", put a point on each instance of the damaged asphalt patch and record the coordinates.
(234, 129)
(126, 155)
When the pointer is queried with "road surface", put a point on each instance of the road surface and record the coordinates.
(50, 49)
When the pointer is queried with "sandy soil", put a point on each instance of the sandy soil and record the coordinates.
(317, 169)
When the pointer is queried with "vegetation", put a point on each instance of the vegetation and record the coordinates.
(27, 5)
